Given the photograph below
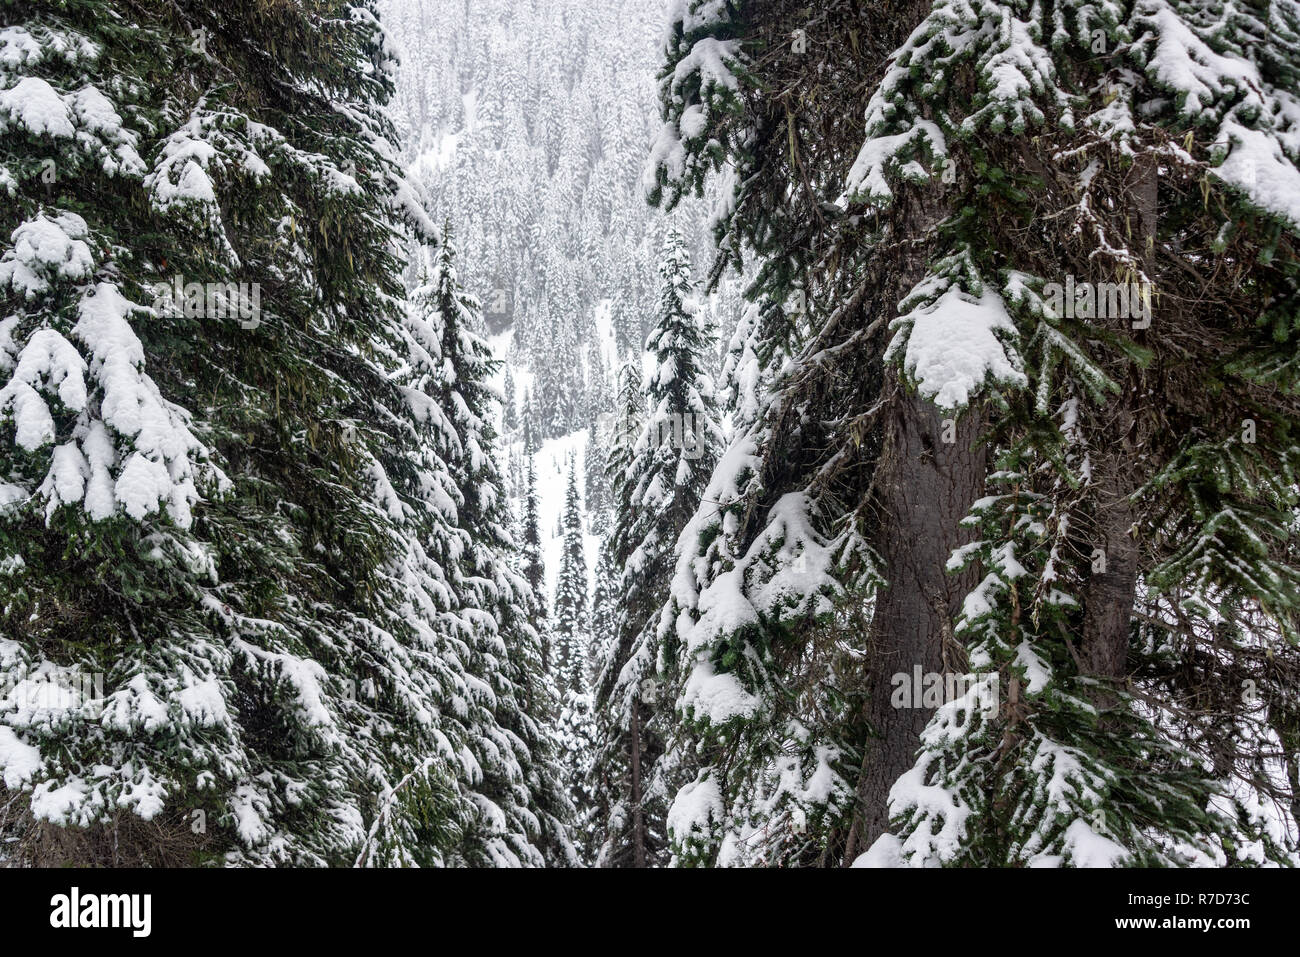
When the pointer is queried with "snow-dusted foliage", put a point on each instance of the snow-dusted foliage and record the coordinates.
(528, 123)
(670, 457)
(1135, 157)
(246, 617)
(947, 518)
(569, 626)
(659, 463)
(1023, 769)
(523, 809)
(1095, 777)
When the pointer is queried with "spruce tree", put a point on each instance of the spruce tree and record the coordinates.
(224, 501)
(526, 809)
(571, 631)
(597, 493)
(1007, 150)
(569, 625)
(816, 569)
(534, 571)
(658, 490)
(509, 410)
(605, 601)
(1141, 515)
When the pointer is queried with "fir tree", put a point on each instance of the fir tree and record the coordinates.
(509, 410)
(597, 481)
(1130, 530)
(657, 492)
(526, 812)
(1016, 149)
(226, 501)
(534, 570)
(569, 626)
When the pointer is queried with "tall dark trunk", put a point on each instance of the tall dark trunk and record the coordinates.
(638, 814)
(1112, 586)
(928, 487)
(932, 469)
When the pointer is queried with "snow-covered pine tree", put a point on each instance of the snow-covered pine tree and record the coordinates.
(1020, 767)
(509, 408)
(658, 491)
(547, 397)
(570, 632)
(542, 180)
(597, 493)
(1158, 431)
(569, 622)
(598, 771)
(834, 469)
(1007, 146)
(528, 420)
(605, 602)
(611, 766)
(225, 500)
(600, 396)
(600, 416)
(534, 570)
(628, 421)
(524, 809)
(611, 771)
(560, 387)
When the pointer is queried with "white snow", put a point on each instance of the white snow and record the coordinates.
(887, 851)
(1086, 848)
(45, 250)
(695, 809)
(204, 704)
(159, 470)
(716, 697)
(18, 760)
(552, 466)
(35, 106)
(951, 346)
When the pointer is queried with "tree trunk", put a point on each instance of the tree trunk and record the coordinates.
(1112, 587)
(929, 486)
(638, 816)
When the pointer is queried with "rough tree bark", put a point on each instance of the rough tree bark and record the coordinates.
(638, 814)
(928, 487)
(1112, 587)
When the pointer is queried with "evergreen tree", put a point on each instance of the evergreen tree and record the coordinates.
(596, 480)
(995, 566)
(226, 501)
(605, 600)
(569, 627)
(533, 569)
(572, 640)
(611, 770)
(509, 410)
(530, 421)
(524, 801)
(1147, 526)
(1006, 151)
(657, 493)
